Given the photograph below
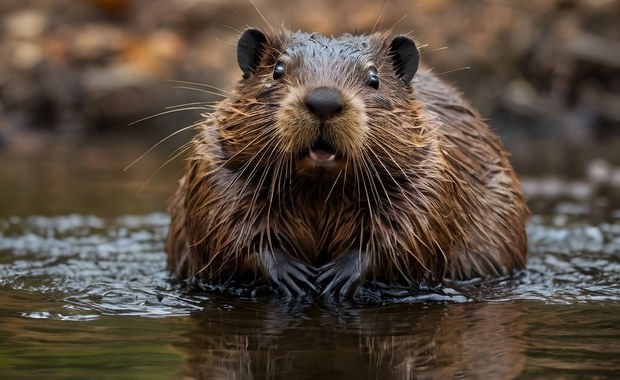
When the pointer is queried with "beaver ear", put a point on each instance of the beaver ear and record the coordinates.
(249, 48)
(405, 56)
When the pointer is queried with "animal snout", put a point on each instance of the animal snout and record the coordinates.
(324, 102)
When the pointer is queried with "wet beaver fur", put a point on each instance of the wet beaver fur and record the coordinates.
(336, 163)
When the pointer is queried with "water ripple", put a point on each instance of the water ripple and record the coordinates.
(85, 267)
(92, 266)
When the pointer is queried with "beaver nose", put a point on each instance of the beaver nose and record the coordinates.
(324, 102)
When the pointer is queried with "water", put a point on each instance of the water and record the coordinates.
(86, 296)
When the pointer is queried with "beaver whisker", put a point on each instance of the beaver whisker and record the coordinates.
(240, 173)
(275, 180)
(357, 181)
(169, 111)
(222, 92)
(208, 106)
(200, 90)
(332, 187)
(258, 138)
(367, 194)
(413, 186)
(370, 170)
(275, 176)
(171, 157)
(159, 142)
(289, 175)
(379, 178)
(397, 165)
(249, 178)
(270, 169)
(283, 171)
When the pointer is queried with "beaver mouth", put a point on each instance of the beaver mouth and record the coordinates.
(321, 151)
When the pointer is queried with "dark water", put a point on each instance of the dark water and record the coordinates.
(89, 297)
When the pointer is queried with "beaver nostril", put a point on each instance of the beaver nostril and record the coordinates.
(324, 102)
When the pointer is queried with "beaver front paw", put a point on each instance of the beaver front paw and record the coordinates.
(339, 276)
(290, 276)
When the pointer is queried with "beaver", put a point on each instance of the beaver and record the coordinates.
(338, 162)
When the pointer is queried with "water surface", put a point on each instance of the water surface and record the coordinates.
(88, 296)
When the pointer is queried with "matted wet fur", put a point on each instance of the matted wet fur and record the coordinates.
(335, 163)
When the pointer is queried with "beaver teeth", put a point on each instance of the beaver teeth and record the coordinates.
(321, 155)
(321, 150)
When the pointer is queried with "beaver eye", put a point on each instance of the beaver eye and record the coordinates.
(373, 78)
(278, 70)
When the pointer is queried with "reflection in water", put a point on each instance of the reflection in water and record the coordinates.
(245, 339)
(101, 281)
(107, 347)
(575, 341)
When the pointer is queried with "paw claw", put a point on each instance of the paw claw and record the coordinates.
(339, 276)
(291, 276)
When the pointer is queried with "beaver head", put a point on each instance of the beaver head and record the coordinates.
(319, 106)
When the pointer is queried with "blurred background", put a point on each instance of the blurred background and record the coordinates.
(76, 75)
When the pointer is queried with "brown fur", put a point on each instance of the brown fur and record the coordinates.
(424, 190)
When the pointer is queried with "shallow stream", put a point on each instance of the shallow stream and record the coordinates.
(84, 296)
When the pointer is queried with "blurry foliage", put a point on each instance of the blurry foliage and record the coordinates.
(541, 70)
